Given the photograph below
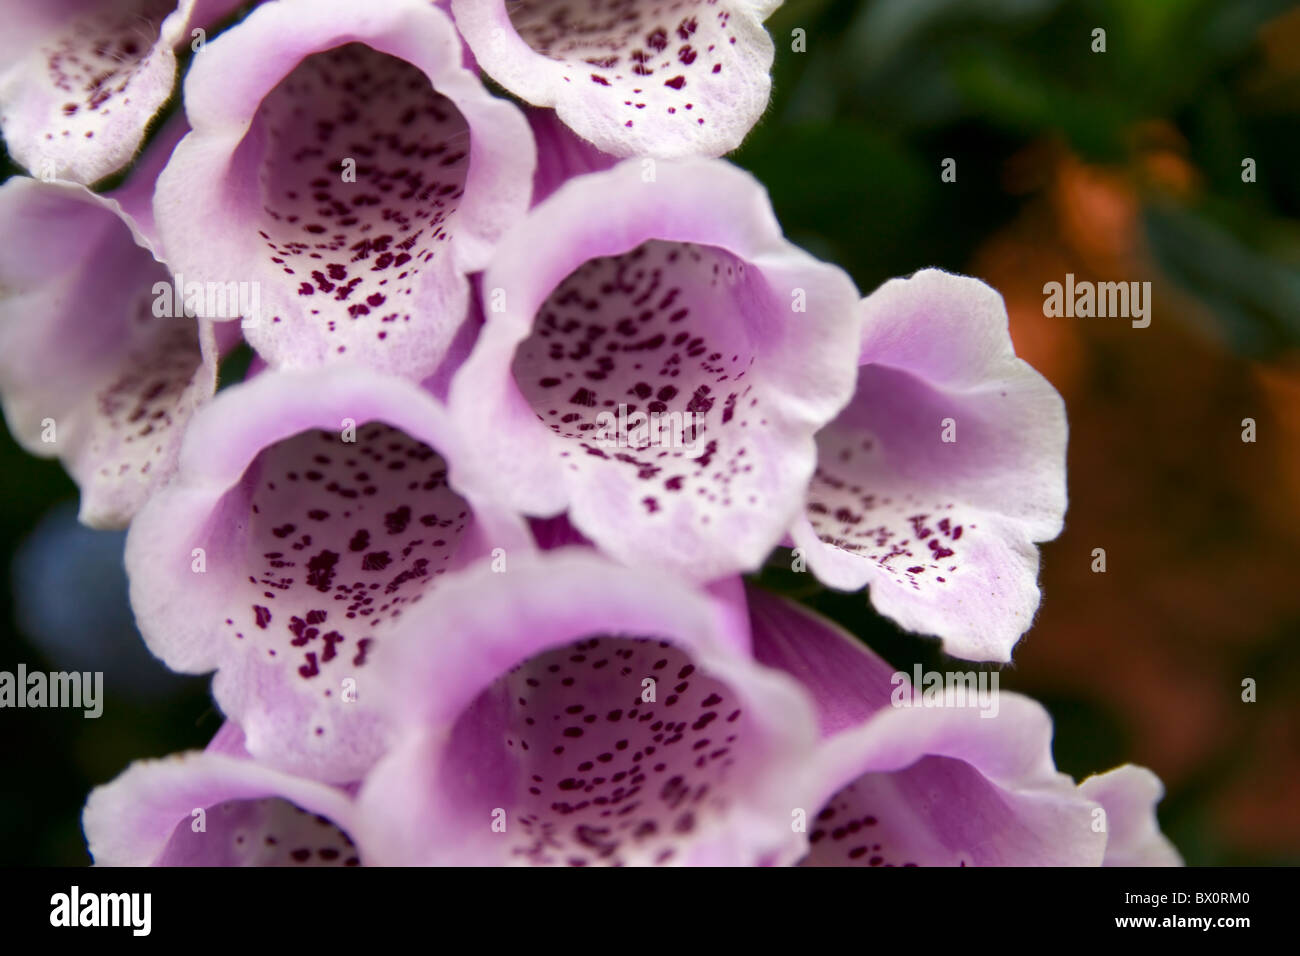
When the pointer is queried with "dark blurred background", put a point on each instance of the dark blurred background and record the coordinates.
(1123, 165)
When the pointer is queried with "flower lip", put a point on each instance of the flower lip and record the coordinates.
(944, 469)
(675, 290)
(1129, 795)
(86, 79)
(107, 389)
(546, 725)
(942, 784)
(351, 168)
(280, 559)
(1018, 810)
(647, 79)
(216, 808)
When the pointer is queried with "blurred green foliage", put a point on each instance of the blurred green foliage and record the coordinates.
(851, 146)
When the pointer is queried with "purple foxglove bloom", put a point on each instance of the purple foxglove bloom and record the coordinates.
(657, 358)
(575, 712)
(637, 79)
(948, 464)
(525, 734)
(310, 510)
(85, 77)
(217, 808)
(943, 785)
(346, 166)
(90, 370)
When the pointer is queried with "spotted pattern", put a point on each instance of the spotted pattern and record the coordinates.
(669, 60)
(940, 811)
(268, 832)
(338, 538)
(92, 63)
(142, 411)
(915, 538)
(661, 331)
(597, 775)
(353, 253)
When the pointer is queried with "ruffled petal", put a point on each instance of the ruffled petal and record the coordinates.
(636, 78)
(526, 735)
(348, 170)
(944, 788)
(217, 808)
(677, 300)
(89, 369)
(310, 511)
(87, 79)
(922, 785)
(948, 464)
(1129, 795)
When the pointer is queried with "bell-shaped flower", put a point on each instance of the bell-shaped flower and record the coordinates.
(348, 172)
(949, 773)
(934, 483)
(310, 510)
(639, 78)
(217, 808)
(100, 364)
(575, 712)
(656, 359)
(83, 78)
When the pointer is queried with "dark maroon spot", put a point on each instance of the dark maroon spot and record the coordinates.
(376, 561)
(396, 521)
(320, 570)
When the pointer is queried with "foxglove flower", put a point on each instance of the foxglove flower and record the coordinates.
(948, 464)
(532, 387)
(90, 370)
(575, 712)
(85, 77)
(639, 78)
(217, 808)
(664, 291)
(310, 510)
(525, 736)
(345, 165)
(943, 785)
